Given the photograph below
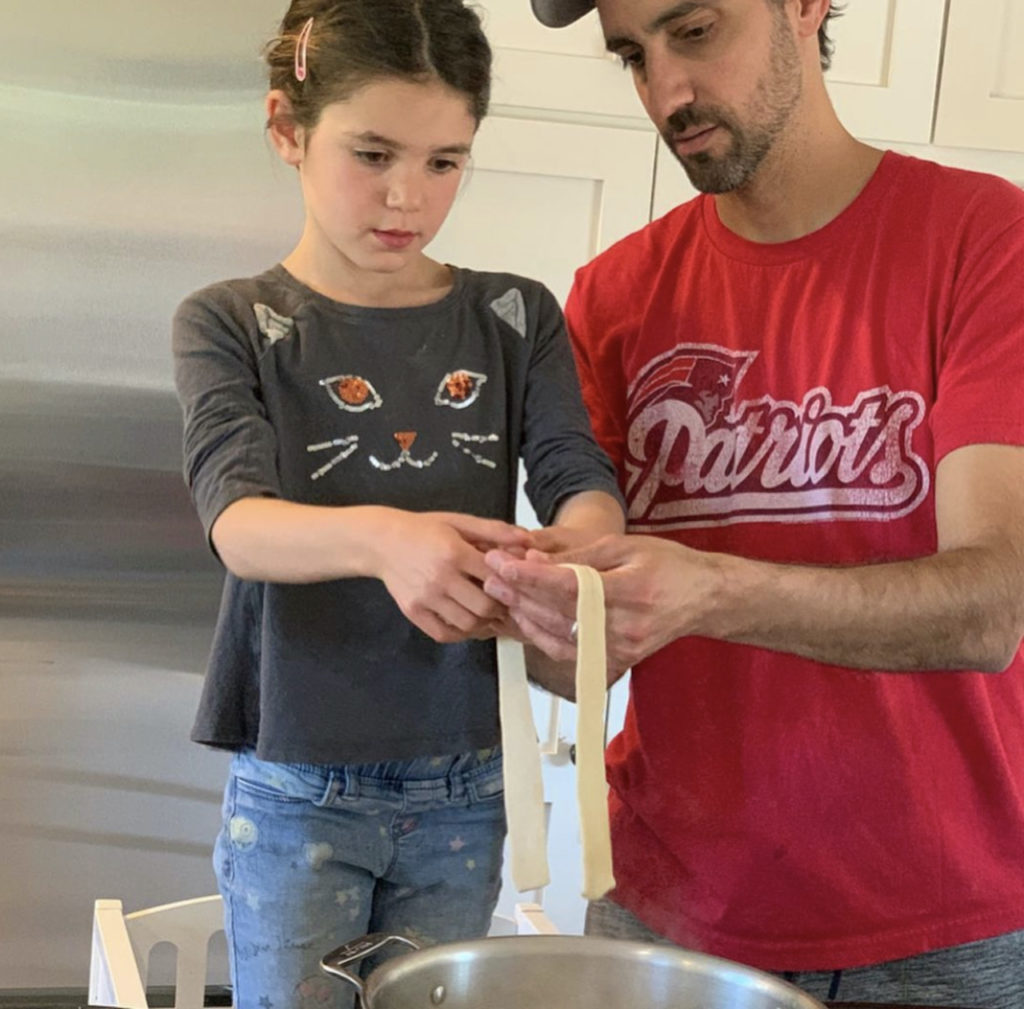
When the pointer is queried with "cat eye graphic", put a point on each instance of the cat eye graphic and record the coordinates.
(459, 388)
(352, 393)
(355, 394)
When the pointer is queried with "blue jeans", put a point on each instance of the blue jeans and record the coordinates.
(311, 856)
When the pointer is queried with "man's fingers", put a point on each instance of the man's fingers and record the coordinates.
(603, 555)
(536, 577)
(556, 622)
(552, 645)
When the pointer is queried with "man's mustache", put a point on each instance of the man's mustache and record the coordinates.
(687, 118)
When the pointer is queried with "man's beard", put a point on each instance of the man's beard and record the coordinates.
(774, 100)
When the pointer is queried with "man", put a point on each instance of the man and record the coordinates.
(810, 379)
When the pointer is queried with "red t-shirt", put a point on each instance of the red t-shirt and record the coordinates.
(790, 402)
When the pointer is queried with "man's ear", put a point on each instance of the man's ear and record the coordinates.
(286, 136)
(809, 16)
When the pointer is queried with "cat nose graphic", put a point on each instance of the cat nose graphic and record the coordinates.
(405, 439)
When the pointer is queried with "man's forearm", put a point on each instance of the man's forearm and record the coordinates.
(960, 609)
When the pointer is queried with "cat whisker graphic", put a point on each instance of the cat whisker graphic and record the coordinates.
(405, 440)
(463, 443)
(347, 445)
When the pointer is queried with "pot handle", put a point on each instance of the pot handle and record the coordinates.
(337, 960)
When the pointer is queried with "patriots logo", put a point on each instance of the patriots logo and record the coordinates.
(697, 454)
(706, 377)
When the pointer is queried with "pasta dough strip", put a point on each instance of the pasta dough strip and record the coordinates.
(591, 691)
(524, 788)
(524, 791)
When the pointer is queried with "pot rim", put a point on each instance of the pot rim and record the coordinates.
(498, 948)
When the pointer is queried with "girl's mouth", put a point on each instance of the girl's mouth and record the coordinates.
(394, 239)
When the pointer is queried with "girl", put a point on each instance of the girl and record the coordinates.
(354, 418)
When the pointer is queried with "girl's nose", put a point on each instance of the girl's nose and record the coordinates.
(404, 193)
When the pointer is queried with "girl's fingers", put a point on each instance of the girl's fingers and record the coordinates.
(434, 627)
(487, 532)
(471, 598)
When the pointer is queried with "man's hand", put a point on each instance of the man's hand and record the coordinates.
(562, 539)
(653, 593)
(960, 608)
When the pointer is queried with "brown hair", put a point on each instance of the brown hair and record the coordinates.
(355, 42)
(825, 45)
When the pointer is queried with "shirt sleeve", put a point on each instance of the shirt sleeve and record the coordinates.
(558, 448)
(230, 447)
(606, 422)
(981, 363)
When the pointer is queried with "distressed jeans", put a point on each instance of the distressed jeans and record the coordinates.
(310, 856)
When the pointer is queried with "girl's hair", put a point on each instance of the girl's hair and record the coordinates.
(355, 42)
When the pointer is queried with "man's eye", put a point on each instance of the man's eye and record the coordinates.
(631, 58)
(442, 165)
(695, 33)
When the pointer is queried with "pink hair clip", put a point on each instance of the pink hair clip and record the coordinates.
(300, 50)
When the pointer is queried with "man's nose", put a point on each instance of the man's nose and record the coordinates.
(667, 87)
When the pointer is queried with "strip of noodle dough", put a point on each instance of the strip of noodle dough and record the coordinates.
(524, 790)
(591, 691)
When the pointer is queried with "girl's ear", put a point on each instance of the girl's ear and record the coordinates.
(285, 135)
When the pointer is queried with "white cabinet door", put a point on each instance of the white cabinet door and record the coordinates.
(885, 67)
(981, 99)
(544, 198)
(1007, 165)
(564, 70)
(671, 186)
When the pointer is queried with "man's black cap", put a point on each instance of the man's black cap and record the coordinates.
(559, 13)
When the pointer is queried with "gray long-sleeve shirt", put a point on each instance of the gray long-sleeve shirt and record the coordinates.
(291, 395)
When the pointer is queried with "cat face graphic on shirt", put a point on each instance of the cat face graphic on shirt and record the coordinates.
(396, 421)
(457, 390)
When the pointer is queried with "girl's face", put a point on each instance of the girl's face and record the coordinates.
(379, 173)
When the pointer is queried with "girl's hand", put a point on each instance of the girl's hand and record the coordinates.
(433, 566)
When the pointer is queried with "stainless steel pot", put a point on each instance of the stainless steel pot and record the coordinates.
(557, 972)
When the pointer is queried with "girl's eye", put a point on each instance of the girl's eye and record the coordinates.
(442, 165)
(372, 157)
